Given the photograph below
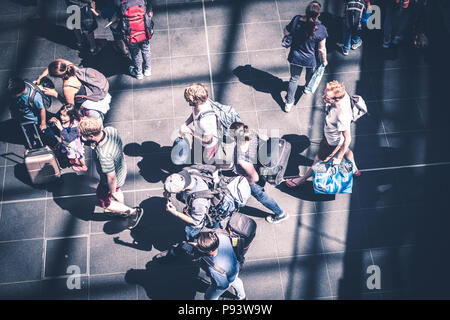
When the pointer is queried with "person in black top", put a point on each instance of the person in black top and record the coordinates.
(307, 35)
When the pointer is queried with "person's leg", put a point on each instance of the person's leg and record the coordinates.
(295, 71)
(350, 157)
(347, 39)
(266, 200)
(387, 26)
(147, 55)
(238, 285)
(90, 37)
(79, 38)
(213, 293)
(48, 137)
(136, 57)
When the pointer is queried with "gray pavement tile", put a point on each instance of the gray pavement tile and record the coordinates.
(10, 28)
(63, 253)
(397, 269)
(185, 15)
(343, 231)
(22, 220)
(67, 217)
(12, 7)
(121, 107)
(289, 8)
(21, 291)
(160, 44)
(120, 82)
(230, 38)
(21, 260)
(264, 246)
(373, 152)
(160, 16)
(108, 257)
(187, 42)
(284, 123)
(152, 104)
(398, 116)
(259, 11)
(269, 93)
(250, 118)
(348, 273)
(223, 66)
(8, 55)
(223, 12)
(58, 289)
(111, 287)
(311, 121)
(188, 70)
(273, 62)
(261, 36)
(151, 170)
(36, 53)
(161, 75)
(266, 272)
(305, 277)
(72, 183)
(235, 94)
(162, 131)
(299, 235)
(19, 185)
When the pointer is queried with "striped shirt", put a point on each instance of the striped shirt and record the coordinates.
(109, 158)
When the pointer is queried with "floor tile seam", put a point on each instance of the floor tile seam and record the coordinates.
(44, 243)
(208, 51)
(171, 71)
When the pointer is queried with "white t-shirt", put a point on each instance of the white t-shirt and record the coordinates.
(206, 126)
(337, 121)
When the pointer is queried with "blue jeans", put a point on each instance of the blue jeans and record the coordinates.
(213, 293)
(266, 200)
(351, 36)
(296, 71)
(141, 55)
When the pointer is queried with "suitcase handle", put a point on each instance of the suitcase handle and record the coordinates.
(37, 135)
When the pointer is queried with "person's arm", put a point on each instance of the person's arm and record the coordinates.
(252, 175)
(43, 124)
(342, 151)
(171, 209)
(323, 52)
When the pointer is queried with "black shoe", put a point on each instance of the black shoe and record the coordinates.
(134, 219)
(163, 256)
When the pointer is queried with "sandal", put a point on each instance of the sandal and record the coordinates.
(79, 168)
(357, 173)
(291, 184)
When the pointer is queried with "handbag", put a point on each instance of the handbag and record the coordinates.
(315, 79)
(286, 42)
(332, 179)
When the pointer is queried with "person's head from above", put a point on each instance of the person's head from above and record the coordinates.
(196, 94)
(61, 70)
(16, 87)
(91, 130)
(208, 243)
(69, 114)
(312, 14)
(178, 182)
(334, 92)
(239, 132)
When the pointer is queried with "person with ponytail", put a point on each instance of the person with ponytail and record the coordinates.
(307, 35)
(245, 160)
(75, 90)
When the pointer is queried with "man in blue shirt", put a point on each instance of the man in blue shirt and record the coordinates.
(24, 110)
(221, 264)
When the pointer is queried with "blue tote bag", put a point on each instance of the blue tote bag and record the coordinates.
(332, 179)
(315, 79)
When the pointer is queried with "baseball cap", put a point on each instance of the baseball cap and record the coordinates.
(177, 182)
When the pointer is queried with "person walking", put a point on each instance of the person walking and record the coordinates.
(307, 35)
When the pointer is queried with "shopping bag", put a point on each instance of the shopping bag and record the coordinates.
(332, 179)
(315, 79)
(181, 151)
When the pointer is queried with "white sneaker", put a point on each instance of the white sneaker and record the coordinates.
(288, 107)
(135, 73)
(356, 45)
(277, 219)
(148, 72)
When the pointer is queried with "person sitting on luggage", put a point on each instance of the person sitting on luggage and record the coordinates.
(221, 264)
(24, 110)
(337, 135)
(245, 159)
(204, 119)
(74, 90)
(67, 124)
(185, 184)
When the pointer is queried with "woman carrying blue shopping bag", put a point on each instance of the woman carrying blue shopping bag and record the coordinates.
(307, 34)
(337, 135)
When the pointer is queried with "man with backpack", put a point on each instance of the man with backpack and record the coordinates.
(353, 13)
(30, 104)
(137, 29)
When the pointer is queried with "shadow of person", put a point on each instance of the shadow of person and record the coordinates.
(10, 132)
(157, 228)
(262, 81)
(299, 143)
(156, 163)
(168, 281)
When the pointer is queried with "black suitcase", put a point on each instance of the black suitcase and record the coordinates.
(40, 161)
(273, 159)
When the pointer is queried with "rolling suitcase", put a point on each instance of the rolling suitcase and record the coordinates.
(40, 161)
(273, 157)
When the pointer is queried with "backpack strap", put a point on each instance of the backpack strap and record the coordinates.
(31, 96)
(206, 113)
(212, 265)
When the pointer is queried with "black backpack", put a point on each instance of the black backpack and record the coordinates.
(34, 89)
(241, 230)
(354, 10)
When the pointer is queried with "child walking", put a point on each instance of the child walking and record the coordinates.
(70, 136)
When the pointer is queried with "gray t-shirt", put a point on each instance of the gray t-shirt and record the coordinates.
(206, 125)
(109, 158)
(199, 207)
(337, 121)
(250, 155)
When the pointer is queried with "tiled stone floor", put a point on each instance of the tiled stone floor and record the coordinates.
(396, 218)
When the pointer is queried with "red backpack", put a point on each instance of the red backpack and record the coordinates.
(137, 25)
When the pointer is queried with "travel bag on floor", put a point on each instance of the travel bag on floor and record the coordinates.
(332, 179)
(273, 156)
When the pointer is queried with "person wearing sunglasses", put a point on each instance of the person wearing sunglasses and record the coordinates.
(337, 135)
